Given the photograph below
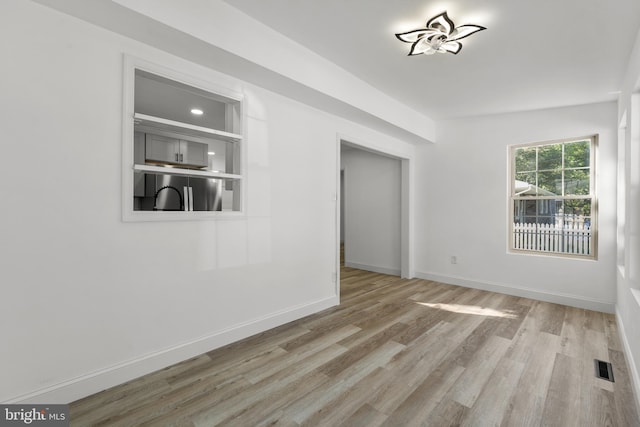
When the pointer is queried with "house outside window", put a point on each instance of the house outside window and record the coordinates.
(553, 208)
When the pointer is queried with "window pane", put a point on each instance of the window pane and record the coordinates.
(576, 182)
(525, 184)
(550, 157)
(534, 211)
(577, 154)
(160, 97)
(577, 207)
(164, 192)
(529, 208)
(551, 211)
(550, 183)
(525, 159)
(557, 227)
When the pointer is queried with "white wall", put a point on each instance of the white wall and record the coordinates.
(628, 271)
(90, 301)
(372, 211)
(462, 197)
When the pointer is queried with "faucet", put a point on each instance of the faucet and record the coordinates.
(155, 200)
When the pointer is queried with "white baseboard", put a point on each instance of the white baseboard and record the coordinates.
(373, 268)
(628, 355)
(86, 385)
(557, 298)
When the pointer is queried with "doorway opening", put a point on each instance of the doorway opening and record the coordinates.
(374, 215)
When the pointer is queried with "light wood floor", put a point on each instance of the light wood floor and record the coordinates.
(394, 353)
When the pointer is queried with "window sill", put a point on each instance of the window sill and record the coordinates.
(553, 255)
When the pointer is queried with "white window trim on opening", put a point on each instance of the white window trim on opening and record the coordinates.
(196, 79)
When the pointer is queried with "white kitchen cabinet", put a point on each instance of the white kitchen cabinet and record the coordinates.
(172, 151)
(193, 154)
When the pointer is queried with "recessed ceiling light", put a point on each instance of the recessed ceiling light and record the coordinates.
(197, 112)
(440, 35)
(211, 153)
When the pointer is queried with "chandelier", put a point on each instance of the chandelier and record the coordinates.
(440, 35)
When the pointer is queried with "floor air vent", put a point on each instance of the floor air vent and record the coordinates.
(604, 370)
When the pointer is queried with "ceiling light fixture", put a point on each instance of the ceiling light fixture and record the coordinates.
(440, 35)
(197, 112)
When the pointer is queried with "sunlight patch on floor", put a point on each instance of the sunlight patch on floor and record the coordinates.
(471, 309)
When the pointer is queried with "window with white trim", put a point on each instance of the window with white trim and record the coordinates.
(183, 145)
(553, 206)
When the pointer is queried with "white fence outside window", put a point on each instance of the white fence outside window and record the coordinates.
(571, 238)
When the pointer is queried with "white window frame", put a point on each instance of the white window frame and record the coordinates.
(204, 82)
(513, 197)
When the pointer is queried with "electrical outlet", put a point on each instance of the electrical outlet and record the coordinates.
(454, 259)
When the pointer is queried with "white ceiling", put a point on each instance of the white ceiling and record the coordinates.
(534, 54)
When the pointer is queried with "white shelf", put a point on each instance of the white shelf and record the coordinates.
(184, 172)
(185, 128)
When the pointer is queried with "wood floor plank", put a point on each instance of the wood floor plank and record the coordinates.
(396, 352)
(109, 402)
(526, 406)
(242, 367)
(479, 370)
(602, 409)
(344, 406)
(410, 368)
(356, 353)
(337, 318)
(550, 317)
(425, 319)
(215, 414)
(259, 342)
(626, 411)
(365, 416)
(300, 354)
(573, 332)
(611, 332)
(429, 289)
(263, 409)
(193, 397)
(306, 407)
(417, 406)
(140, 391)
(562, 405)
(595, 320)
(468, 349)
(448, 413)
(512, 315)
(493, 403)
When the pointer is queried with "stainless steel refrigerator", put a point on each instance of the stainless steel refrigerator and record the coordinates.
(161, 192)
